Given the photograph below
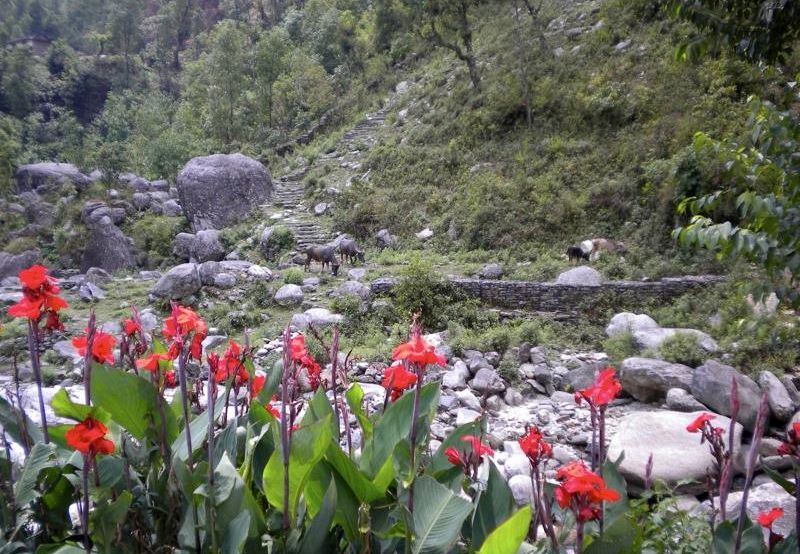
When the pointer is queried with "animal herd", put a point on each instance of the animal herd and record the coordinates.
(591, 249)
(326, 255)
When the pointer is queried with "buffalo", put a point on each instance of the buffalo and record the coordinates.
(326, 255)
(348, 249)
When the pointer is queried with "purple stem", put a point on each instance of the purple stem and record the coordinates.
(413, 436)
(33, 348)
(727, 471)
(91, 328)
(285, 436)
(761, 422)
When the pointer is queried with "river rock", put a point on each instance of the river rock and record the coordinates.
(681, 400)
(581, 276)
(648, 380)
(207, 246)
(289, 295)
(487, 380)
(108, 248)
(179, 282)
(780, 403)
(677, 454)
(12, 264)
(761, 499)
(48, 176)
(711, 385)
(491, 271)
(218, 190)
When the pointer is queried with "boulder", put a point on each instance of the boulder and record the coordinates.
(425, 234)
(681, 400)
(385, 239)
(208, 271)
(763, 498)
(224, 281)
(357, 273)
(780, 403)
(94, 212)
(179, 282)
(89, 292)
(654, 338)
(218, 190)
(677, 454)
(580, 276)
(48, 176)
(259, 272)
(12, 264)
(171, 208)
(648, 380)
(108, 248)
(487, 380)
(626, 322)
(322, 208)
(139, 184)
(521, 489)
(289, 295)
(491, 271)
(354, 288)
(457, 377)
(320, 317)
(711, 385)
(98, 275)
(182, 246)
(207, 247)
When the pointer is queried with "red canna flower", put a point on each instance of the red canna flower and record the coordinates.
(130, 327)
(697, 425)
(170, 379)
(301, 357)
(102, 346)
(88, 437)
(534, 447)
(40, 297)
(273, 411)
(231, 365)
(478, 447)
(582, 491)
(605, 389)
(767, 519)
(396, 379)
(257, 384)
(418, 351)
(182, 323)
(454, 457)
(152, 362)
(790, 446)
(298, 346)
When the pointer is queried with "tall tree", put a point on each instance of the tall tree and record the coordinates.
(270, 61)
(125, 33)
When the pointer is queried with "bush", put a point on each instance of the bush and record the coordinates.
(682, 348)
(153, 234)
(421, 291)
(620, 347)
(293, 276)
(20, 244)
(261, 294)
(281, 240)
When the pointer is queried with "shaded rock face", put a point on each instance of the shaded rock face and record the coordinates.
(48, 176)
(108, 248)
(179, 282)
(217, 191)
(205, 246)
(12, 264)
(677, 454)
(648, 380)
(711, 385)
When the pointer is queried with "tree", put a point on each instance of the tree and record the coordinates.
(761, 182)
(271, 61)
(124, 27)
(757, 30)
(303, 93)
(446, 23)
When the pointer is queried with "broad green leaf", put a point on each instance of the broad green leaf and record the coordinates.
(508, 537)
(131, 401)
(236, 534)
(63, 406)
(308, 446)
(320, 408)
(198, 429)
(355, 400)
(18, 425)
(395, 426)
(495, 505)
(105, 517)
(779, 479)
(318, 537)
(438, 515)
(364, 489)
(787, 546)
(41, 456)
(439, 462)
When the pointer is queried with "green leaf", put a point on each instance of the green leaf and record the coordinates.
(106, 517)
(724, 538)
(41, 456)
(198, 429)
(308, 446)
(786, 546)
(395, 426)
(236, 534)
(355, 400)
(439, 462)
(364, 489)
(779, 479)
(495, 505)
(131, 400)
(438, 515)
(508, 537)
(12, 421)
(63, 406)
(320, 408)
(318, 538)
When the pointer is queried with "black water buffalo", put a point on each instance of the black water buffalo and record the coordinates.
(349, 249)
(326, 255)
(577, 253)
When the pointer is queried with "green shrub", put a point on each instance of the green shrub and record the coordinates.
(261, 294)
(682, 348)
(508, 369)
(422, 291)
(620, 346)
(153, 234)
(281, 240)
(293, 276)
(20, 244)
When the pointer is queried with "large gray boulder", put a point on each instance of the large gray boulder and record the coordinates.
(207, 246)
(648, 380)
(649, 334)
(627, 322)
(12, 264)
(780, 402)
(179, 282)
(385, 239)
(677, 454)
(218, 190)
(289, 295)
(582, 276)
(182, 246)
(108, 248)
(48, 176)
(762, 498)
(711, 385)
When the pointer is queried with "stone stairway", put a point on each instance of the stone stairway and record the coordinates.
(306, 231)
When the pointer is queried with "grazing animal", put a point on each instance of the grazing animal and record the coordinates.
(326, 255)
(576, 253)
(349, 249)
(607, 245)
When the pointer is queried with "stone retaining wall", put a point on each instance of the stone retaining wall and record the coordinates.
(553, 297)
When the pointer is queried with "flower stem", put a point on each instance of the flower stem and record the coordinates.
(182, 361)
(413, 436)
(285, 424)
(211, 510)
(87, 359)
(85, 511)
(579, 538)
(33, 347)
